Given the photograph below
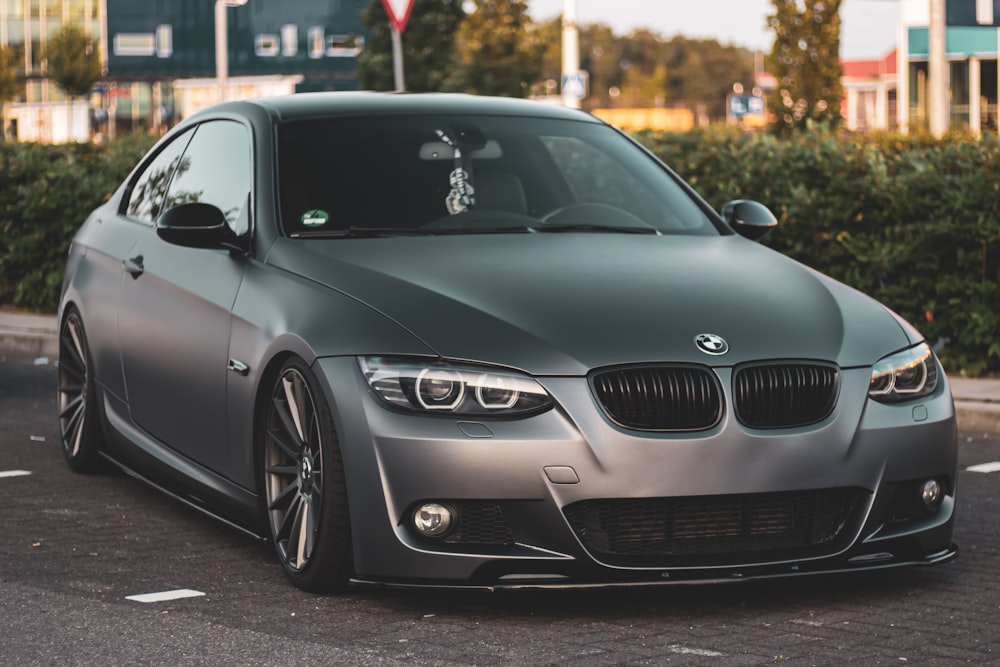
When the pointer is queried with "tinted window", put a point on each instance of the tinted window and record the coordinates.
(215, 170)
(146, 198)
(596, 176)
(404, 172)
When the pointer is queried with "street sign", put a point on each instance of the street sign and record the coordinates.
(575, 85)
(745, 105)
(399, 13)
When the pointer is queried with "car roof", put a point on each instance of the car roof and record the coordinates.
(314, 105)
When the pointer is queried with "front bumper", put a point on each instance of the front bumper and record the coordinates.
(531, 470)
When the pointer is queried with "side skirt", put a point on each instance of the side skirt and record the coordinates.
(141, 456)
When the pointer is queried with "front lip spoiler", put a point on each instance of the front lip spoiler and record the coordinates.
(741, 575)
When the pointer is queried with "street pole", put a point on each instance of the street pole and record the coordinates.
(937, 73)
(570, 50)
(222, 44)
(221, 48)
(397, 59)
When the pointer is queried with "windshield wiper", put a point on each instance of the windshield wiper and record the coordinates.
(595, 228)
(359, 233)
(509, 229)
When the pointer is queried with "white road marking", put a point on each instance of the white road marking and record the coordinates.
(165, 595)
(684, 650)
(14, 473)
(985, 467)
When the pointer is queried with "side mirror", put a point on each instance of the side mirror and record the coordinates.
(195, 225)
(748, 218)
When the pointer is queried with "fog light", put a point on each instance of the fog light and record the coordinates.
(931, 494)
(432, 519)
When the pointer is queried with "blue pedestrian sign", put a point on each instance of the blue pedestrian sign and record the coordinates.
(575, 85)
(745, 105)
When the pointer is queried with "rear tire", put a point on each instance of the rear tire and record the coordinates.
(305, 494)
(79, 415)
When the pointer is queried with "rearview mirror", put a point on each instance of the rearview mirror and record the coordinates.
(749, 219)
(195, 225)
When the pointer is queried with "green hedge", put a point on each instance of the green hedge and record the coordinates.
(45, 193)
(911, 221)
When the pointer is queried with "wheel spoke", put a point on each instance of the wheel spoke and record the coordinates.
(289, 449)
(304, 522)
(78, 432)
(75, 405)
(72, 369)
(284, 499)
(71, 389)
(294, 532)
(283, 470)
(293, 394)
(281, 409)
(286, 525)
(73, 327)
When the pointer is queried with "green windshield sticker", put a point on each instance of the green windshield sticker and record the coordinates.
(315, 218)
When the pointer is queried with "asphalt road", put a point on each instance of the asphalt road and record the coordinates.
(73, 548)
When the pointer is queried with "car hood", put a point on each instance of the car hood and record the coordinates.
(562, 304)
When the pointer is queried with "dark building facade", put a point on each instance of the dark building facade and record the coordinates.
(161, 53)
(175, 39)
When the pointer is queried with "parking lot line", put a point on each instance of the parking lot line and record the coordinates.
(985, 467)
(165, 595)
(14, 473)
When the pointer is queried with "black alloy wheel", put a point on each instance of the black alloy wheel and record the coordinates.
(79, 421)
(304, 488)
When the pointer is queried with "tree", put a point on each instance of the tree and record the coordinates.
(644, 82)
(10, 82)
(805, 59)
(601, 53)
(73, 64)
(498, 54)
(547, 37)
(702, 72)
(429, 56)
(73, 61)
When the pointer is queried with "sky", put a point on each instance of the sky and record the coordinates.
(867, 29)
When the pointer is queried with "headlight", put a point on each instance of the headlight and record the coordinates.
(442, 388)
(904, 376)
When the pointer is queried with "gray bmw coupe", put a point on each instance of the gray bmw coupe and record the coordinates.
(456, 341)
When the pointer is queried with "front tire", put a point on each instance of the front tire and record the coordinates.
(79, 417)
(305, 492)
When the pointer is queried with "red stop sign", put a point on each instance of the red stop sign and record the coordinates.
(399, 12)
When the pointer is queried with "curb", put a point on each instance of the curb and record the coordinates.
(976, 417)
(28, 337)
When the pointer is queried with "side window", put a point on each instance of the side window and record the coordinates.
(216, 170)
(145, 200)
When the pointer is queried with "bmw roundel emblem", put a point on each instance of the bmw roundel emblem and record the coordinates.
(711, 344)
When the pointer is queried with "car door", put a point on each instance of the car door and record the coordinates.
(175, 311)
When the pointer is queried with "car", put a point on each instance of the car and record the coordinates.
(454, 341)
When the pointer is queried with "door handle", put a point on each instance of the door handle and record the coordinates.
(133, 265)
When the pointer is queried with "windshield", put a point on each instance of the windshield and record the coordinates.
(438, 174)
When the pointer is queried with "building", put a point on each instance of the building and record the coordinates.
(971, 46)
(159, 56)
(41, 111)
(870, 93)
(892, 92)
